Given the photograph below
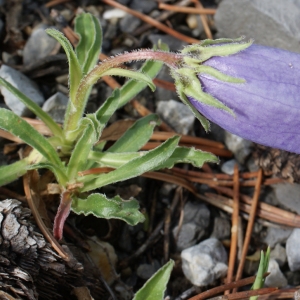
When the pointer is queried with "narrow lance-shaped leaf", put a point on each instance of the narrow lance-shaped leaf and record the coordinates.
(20, 128)
(55, 129)
(180, 155)
(102, 207)
(137, 135)
(204, 122)
(188, 155)
(78, 159)
(133, 168)
(88, 48)
(13, 171)
(75, 73)
(155, 287)
(108, 108)
(130, 74)
(262, 269)
(113, 160)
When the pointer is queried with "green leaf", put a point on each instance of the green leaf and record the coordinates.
(75, 72)
(137, 135)
(59, 173)
(115, 208)
(138, 76)
(262, 269)
(134, 168)
(107, 109)
(20, 128)
(113, 160)
(13, 171)
(149, 68)
(155, 287)
(188, 155)
(75, 76)
(78, 159)
(204, 122)
(55, 129)
(88, 49)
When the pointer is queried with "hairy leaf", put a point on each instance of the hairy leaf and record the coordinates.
(137, 135)
(188, 155)
(88, 49)
(13, 171)
(55, 129)
(102, 207)
(134, 168)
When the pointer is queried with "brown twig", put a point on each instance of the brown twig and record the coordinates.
(187, 10)
(162, 17)
(204, 20)
(55, 2)
(186, 139)
(280, 294)
(181, 216)
(228, 286)
(216, 151)
(167, 226)
(11, 194)
(245, 295)
(153, 22)
(167, 85)
(249, 226)
(234, 227)
(263, 206)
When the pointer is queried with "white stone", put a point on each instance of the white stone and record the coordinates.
(292, 250)
(56, 106)
(114, 13)
(25, 85)
(176, 114)
(275, 278)
(204, 263)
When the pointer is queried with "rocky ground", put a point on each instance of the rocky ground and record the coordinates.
(110, 259)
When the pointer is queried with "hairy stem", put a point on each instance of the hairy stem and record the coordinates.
(172, 60)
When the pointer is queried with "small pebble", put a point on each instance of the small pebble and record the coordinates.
(22, 83)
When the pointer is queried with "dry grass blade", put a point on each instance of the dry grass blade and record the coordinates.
(204, 20)
(216, 151)
(286, 216)
(31, 202)
(162, 17)
(171, 179)
(224, 287)
(153, 22)
(250, 225)
(167, 85)
(280, 294)
(187, 10)
(226, 204)
(11, 194)
(234, 227)
(55, 2)
(186, 139)
(245, 295)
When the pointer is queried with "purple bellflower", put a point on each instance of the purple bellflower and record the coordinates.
(252, 92)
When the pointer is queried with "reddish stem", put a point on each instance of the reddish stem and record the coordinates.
(62, 214)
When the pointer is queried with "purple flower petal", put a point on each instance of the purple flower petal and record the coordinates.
(267, 106)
